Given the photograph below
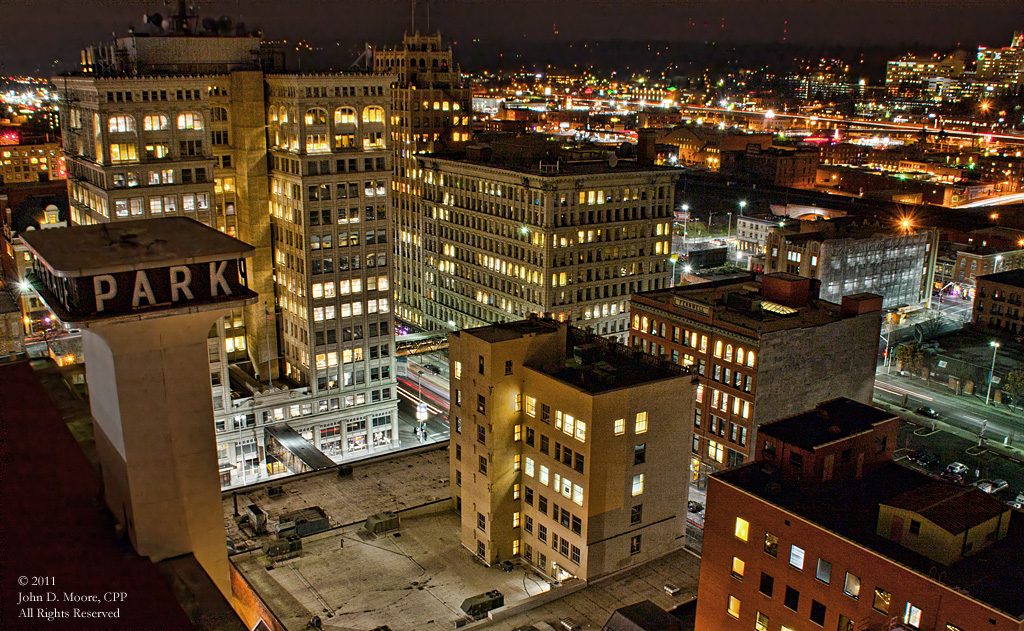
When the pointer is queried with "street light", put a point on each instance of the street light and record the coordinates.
(743, 204)
(991, 372)
(674, 259)
(729, 228)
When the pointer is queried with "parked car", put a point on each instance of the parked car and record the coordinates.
(929, 412)
(991, 486)
(930, 461)
(694, 507)
(958, 468)
(1016, 505)
(949, 476)
(1020, 497)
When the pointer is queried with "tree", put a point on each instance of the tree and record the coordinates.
(1013, 384)
(912, 357)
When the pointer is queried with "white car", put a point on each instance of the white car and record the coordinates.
(958, 468)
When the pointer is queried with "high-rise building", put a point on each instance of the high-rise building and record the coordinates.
(194, 123)
(522, 226)
(565, 448)
(431, 110)
(824, 530)
(761, 350)
(997, 303)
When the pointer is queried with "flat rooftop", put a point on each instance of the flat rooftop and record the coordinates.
(122, 246)
(504, 331)
(826, 423)
(738, 301)
(417, 580)
(994, 575)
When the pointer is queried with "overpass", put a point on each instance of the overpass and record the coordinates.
(420, 343)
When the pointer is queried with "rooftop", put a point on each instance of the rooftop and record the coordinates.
(739, 301)
(129, 245)
(994, 575)
(828, 422)
(1013, 277)
(504, 331)
(953, 508)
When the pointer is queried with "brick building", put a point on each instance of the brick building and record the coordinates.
(761, 350)
(565, 448)
(997, 303)
(825, 531)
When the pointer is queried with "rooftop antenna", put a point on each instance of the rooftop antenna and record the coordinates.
(427, 2)
(413, 3)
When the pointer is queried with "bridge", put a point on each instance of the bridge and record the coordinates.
(420, 343)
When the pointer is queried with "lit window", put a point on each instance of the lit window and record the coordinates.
(882, 600)
(761, 622)
(824, 571)
(458, 370)
(517, 432)
(912, 616)
(742, 529)
(544, 475)
(734, 607)
(515, 547)
(852, 586)
(529, 466)
(641, 422)
(796, 557)
(620, 426)
(531, 406)
(581, 431)
(737, 567)
(515, 519)
(638, 484)
(190, 121)
(771, 544)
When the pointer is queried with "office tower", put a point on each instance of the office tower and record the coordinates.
(431, 110)
(565, 448)
(197, 123)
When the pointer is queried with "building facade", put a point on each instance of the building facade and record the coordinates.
(825, 531)
(564, 448)
(31, 163)
(761, 351)
(997, 304)
(898, 266)
(571, 240)
(297, 165)
(431, 110)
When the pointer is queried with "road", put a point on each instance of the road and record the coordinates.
(966, 412)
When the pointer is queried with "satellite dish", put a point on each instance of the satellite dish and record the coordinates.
(210, 24)
(155, 19)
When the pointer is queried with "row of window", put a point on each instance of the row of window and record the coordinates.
(881, 598)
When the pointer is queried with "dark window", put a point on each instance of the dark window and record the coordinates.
(481, 364)
(639, 454)
(481, 523)
(529, 436)
(542, 533)
(817, 613)
(792, 598)
(458, 452)
(767, 584)
(796, 460)
(528, 496)
(483, 465)
(636, 514)
(508, 367)
(579, 462)
(481, 434)
(542, 504)
(577, 525)
(545, 444)
(545, 414)
(481, 404)
(771, 544)
(915, 527)
(635, 543)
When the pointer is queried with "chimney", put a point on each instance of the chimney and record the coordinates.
(646, 149)
(856, 304)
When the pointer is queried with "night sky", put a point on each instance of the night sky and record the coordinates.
(34, 34)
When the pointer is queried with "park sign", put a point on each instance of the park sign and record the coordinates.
(130, 268)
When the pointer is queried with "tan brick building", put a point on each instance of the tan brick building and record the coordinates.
(565, 448)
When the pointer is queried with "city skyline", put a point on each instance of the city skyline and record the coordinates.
(498, 22)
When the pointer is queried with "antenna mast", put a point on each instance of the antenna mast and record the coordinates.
(413, 11)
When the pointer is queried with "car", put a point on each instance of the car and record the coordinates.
(958, 468)
(991, 486)
(694, 507)
(949, 476)
(1016, 505)
(929, 412)
(1020, 497)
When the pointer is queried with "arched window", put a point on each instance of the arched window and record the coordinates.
(219, 114)
(121, 124)
(344, 116)
(155, 122)
(373, 114)
(273, 114)
(316, 116)
(728, 352)
(190, 120)
(284, 115)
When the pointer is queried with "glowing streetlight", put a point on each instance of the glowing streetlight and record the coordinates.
(991, 372)
(743, 204)
(673, 259)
